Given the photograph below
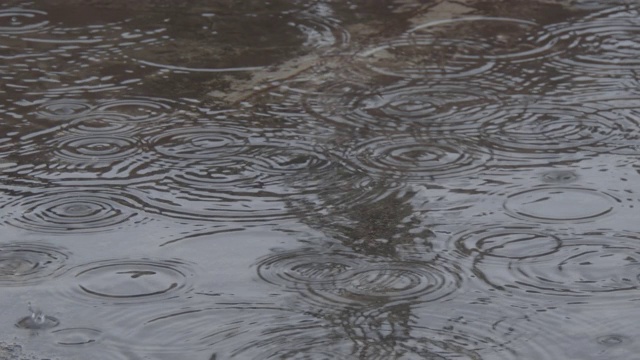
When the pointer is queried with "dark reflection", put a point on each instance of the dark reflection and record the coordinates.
(382, 228)
(375, 334)
(37, 320)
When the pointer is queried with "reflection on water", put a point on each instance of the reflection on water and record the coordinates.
(319, 179)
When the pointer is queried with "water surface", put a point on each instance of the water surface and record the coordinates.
(319, 180)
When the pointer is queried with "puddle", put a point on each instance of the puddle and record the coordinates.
(318, 179)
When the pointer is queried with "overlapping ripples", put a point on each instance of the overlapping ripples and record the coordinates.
(238, 48)
(199, 142)
(263, 330)
(140, 109)
(95, 149)
(540, 132)
(418, 157)
(598, 266)
(74, 210)
(21, 21)
(560, 204)
(130, 110)
(460, 47)
(572, 333)
(423, 56)
(224, 173)
(437, 106)
(510, 241)
(602, 41)
(110, 136)
(496, 37)
(460, 177)
(188, 328)
(336, 279)
(77, 336)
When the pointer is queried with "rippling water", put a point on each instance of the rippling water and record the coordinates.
(319, 179)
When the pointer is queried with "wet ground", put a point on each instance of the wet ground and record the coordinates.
(369, 179)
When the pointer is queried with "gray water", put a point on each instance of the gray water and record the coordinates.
(368, 179)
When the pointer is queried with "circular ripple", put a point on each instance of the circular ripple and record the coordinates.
(126, 281)
(184, 330)
(494, 38)
(437, 106)
(30, 263)
(194, 197)
(390, 282)
(336, 278)
(138, 110)
(560, 204)
(100, 124)
(46, 322)
(224, 194)
(320, 30)
(417, 158)
(77, 336)
(20, 21)
(265, 179)
(381, 333)
(511, 242)
(72, 211)
(466, 331)
(538, 132)
(612, 340)
(270, 164)
(424, 56)
(64, 109)
(283, 159)
(200, 143)
(306, 267)
(94, 149)
(586, 266)
(606, 40)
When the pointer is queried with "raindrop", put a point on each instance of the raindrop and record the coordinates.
(65, 109)
(20, 21)
(37, 320)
